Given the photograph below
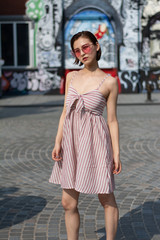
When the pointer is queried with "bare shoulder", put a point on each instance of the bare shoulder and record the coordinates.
(111, 83)
(69, 76)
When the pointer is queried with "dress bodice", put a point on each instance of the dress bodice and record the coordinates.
(92, 101)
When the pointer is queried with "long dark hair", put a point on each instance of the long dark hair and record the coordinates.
(91, 37)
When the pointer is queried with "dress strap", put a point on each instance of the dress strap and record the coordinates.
(107, 75)
(73, 76)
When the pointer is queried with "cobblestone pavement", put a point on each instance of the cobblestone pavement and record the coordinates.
(30, 207)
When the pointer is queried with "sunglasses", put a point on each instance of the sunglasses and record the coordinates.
(85, 48)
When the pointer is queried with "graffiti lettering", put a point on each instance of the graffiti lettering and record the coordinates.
(129, 80)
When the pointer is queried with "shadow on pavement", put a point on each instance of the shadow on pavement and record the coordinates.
(11, 112)
(142, 223)
(14, 210)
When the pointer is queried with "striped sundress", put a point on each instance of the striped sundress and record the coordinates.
(86, 149)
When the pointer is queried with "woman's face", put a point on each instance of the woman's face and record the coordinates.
(85, 50)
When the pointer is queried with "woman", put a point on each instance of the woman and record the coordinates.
(86, 151)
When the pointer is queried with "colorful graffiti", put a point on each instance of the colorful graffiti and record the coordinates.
(35, 11)
(99, 24)
(48, 55)
(40, 80)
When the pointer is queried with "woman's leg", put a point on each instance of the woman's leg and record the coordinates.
(72, 218)
(111, 214)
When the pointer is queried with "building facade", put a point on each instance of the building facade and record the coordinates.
(35, 42)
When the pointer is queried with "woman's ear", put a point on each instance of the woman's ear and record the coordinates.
(98, 46)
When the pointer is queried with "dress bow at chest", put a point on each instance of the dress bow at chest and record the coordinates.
(79, 101)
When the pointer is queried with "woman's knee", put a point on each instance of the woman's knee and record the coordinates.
(68, 204)
(107, 200)
(69, 200)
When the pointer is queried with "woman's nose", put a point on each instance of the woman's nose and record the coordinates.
(81, 52)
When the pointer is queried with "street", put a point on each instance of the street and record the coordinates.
(30, 207)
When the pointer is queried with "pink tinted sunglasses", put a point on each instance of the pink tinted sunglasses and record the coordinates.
(85, 48)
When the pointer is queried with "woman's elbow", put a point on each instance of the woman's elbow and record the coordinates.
(112, 121)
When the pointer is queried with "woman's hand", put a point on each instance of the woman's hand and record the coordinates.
(56, 153)
(117, 166)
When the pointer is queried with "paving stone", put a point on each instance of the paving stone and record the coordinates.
(31, 207)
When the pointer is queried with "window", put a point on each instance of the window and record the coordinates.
(15, 44)
(7, 43)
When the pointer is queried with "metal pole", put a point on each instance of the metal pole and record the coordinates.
(139, 43)
(0, 86)
(1, 63)
(149, 84)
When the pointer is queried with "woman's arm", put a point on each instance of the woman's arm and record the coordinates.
(58, 139)
(113, 122)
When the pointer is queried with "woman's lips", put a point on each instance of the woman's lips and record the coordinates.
(85, 58)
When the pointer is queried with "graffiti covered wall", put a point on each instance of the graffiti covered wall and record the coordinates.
(136, 59)
(150, 54)
(128, 51)
(128, 70)
(48, 55)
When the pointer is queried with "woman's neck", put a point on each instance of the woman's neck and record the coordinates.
(91, 68)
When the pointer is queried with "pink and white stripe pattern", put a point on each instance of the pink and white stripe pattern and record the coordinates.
(86, 145)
